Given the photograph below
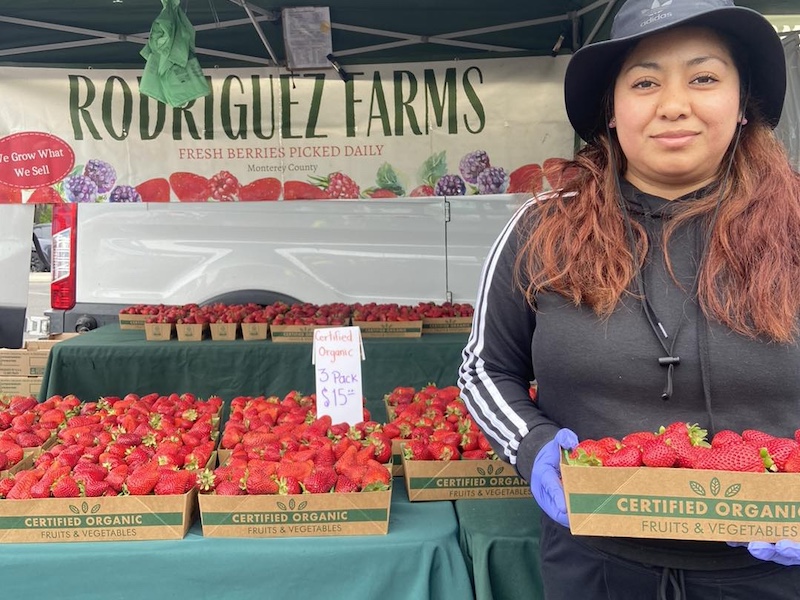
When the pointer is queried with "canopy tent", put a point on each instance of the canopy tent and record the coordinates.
(110, 33)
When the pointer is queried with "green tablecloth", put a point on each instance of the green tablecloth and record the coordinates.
(419, 558)
(109, 361)
(500, 542)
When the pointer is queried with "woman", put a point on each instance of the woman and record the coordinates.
(660, 284)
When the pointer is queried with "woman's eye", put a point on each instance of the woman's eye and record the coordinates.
(704, 79)
(644, 85)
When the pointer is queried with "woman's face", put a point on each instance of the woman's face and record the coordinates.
(676, 106)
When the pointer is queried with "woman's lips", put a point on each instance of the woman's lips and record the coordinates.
(674, 139)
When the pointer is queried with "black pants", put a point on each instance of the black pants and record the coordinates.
(572, 570)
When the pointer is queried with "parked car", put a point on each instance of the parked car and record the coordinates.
(41, 247)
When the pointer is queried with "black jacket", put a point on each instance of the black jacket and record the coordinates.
(602, 377)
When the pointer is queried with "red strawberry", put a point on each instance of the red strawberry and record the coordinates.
(756, 437)
(9, 195)
(228, 488)
(189, 187)
(267, 188)
(725, 437)
(289, 486)
(422, 191)
(638, 438)
(154, 190)
(658, 454)
(65, 487)
(142, 480)
(171, 483)
(527, 178)
(377, 477)
(381, 446)
(92, 488)
(474, 455)
(320, 481)
(344, 485)
(779, 450)
(735, 457)
(45, 195)
(790, 465)
(381, 193)
(300, 190)
(627, 456)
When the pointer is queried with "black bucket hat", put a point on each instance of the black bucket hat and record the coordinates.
(588, 72)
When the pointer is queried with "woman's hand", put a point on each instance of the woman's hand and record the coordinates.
(546, 484)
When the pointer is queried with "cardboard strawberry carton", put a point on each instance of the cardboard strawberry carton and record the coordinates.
(461, 479)
(295, 515)
(254, 331)
(446, 317)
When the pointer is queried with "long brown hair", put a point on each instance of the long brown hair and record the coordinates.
(575, 242)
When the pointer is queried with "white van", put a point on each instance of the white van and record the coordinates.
(16, 223)
(406, 250)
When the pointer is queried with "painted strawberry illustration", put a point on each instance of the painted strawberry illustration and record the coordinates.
(338, 185)
(224, 187)
(154, 190)
(381, 193)
(266, 188)
(189, 187)
(301, 190)
(527, 178)
(45, 195)
(422, 191)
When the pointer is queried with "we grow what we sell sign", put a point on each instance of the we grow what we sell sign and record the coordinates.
(419, 129)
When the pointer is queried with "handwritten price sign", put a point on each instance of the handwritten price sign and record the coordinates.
(337, 355)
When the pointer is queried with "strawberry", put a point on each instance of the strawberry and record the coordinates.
(725, 437)
(289, 486)
(381, 446)
(142, 480)
(266, 188)
(474, 455)
(260, 482)
(300, 190)
(790, 465)
(228, 488)
(170, 483)
(779, 450)
(422, 191)
(91, 488)
(756, 438)
(295, 470)
(638, 438)
(658, 454)
(320, 481)
(189, 187)
(344, 485)
(626, 456)
(154, 190)
(65, 487)
(527, 179)
(45, 195)
(9, 195)
(381, 193)
(377, 477)
(417, 450)
(736, 457)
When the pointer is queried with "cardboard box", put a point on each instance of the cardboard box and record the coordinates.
(297, 515)
(132, 321)
(224, 332)
(397, 458)
(111, 519)
(254, 331)
(459, 479)
(295, 333)
(21, 386)
(48, 342)
(191, 332)
(23, 362)
(389, 329)
(446, 325)
(682, 504)
(159, 332)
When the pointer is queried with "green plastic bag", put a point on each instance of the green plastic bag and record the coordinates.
(172, 73)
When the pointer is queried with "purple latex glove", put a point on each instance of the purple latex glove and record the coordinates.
(546, 484)
(784, 552)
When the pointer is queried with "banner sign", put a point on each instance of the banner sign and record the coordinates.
(417, 129)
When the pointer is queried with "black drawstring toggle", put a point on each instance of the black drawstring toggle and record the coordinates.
(669, 362)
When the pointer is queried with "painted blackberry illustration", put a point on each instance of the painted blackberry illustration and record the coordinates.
(102, 173)
(450, 185)
(78, 188)
(472, 164)
(124, 193)
(493, 180)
